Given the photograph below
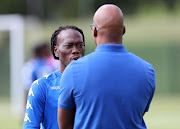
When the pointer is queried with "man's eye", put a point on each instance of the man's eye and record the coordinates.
(81, 45)
(68, 46)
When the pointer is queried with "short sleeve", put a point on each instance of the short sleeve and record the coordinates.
(66, 99)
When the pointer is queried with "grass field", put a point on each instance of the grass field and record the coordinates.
(164, 113)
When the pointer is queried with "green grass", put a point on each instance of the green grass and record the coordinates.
(7, 119)
(164, 113)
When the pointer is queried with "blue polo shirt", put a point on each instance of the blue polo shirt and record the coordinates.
(110, 88)
(42, 103)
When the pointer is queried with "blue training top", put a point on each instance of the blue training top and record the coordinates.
(110, 88)
(42, 102)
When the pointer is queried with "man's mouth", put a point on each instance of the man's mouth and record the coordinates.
(75, 58)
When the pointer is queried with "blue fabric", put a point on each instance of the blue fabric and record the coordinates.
(110, 88)
(40, 69)
(42, 103)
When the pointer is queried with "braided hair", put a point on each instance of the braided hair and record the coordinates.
(56, 32)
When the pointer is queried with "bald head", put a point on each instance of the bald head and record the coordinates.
(109, 19)
(109, 16)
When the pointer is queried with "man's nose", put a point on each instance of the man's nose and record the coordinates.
(75, 50)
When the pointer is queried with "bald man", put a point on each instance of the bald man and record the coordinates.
(110, 88)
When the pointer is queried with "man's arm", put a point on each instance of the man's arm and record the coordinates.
(66, 118)
(34, 106)
(152, 84)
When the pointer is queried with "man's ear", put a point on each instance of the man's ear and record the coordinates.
(95, 32)
(124, 30)
(56, 51)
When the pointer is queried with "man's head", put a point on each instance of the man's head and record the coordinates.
(108, 20)
(41, 50)
(67, 44)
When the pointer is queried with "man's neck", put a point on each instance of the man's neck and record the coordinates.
(101, 41)
(61, 68)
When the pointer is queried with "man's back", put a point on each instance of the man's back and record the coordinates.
(109, 88)
(112, 89)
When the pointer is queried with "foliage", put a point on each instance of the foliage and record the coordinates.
(13, 6)
(75, 8)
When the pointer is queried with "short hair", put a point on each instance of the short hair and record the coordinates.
(56, 32)
(39, 48)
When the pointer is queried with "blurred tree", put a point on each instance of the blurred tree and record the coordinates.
(58, 9)
(85, 8)
(170, 4)
(127, 6)
(35, 7)
(13, 6)
(50, 9)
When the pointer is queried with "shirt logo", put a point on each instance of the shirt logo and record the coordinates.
(28, 105)
(30, 92)
(46, 76)
(36, 82)
(26, 118)
(55, 87)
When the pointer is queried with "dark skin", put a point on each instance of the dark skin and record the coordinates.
(66, 118)
(70, 47)
(109, 19)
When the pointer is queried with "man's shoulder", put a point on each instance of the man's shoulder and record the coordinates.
(80, 63)
(45, 80)
(139, 58)
(149, 69)
(85, 58)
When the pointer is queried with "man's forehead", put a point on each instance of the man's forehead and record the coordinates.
(73, 40)
(69, 35)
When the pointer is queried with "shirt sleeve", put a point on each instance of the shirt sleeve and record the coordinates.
(66, 99)
(152, 84)
(35, 106)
